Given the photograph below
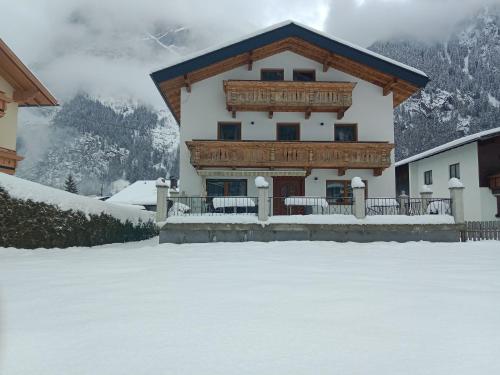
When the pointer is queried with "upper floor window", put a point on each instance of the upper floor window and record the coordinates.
(455, 170)
(304, 75)
(229, 131)
(288, 132)
(428, 177)
(272, 75)
(346, 133)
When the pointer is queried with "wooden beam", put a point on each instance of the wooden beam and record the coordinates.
(250, 60)
(340, 115)
(187, 83)
(270, 114)
(5, 98)
(24, 96)
(377, 171)
(326, 64)
(341, 171)
(387, 89)
(233, 114)
(308, 114)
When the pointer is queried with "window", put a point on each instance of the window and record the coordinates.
(272, 75)
(288, 132)
(226, 188)
(455, 170)
(304, 75)
(229, 131)
(346, 132)
(340, 191)
(428, 177)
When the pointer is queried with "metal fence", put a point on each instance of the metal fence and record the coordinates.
(196, 206)
(310, 206)
(481, 230)
(408, 206)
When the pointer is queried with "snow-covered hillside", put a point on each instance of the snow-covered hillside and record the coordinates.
(252, 308)
(464, 93)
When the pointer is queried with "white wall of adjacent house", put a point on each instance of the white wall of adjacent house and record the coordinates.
(479, 203)
(205, 106)
(8, 123)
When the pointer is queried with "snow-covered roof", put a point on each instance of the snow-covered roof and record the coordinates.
(447, 146)
(278, 26)
(142, 192)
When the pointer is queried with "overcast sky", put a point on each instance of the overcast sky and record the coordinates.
(106, 47)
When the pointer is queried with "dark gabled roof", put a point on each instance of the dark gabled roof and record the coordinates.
(281, 31)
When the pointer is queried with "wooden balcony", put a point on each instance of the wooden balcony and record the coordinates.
(8, 160)
(303, 155)
(288, 96)
(495, 183)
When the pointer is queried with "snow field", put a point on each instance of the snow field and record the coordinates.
(248, 308)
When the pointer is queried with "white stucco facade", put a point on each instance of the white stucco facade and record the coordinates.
(479, 203)
(205, 106)
(8, 123)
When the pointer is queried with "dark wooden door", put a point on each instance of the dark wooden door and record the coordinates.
(284, 187)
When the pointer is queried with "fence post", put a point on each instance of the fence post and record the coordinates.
(426, 195)
(161, 199)
(457, 199)
(263, 198)
(404, 204)
(358, 194)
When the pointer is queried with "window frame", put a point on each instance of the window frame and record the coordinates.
(313, 71)
(340, 125)
(221, 124)
(283, 124)
(345, 198)
(282, 70)
(428, 174)
(455, 167)
(226, 182)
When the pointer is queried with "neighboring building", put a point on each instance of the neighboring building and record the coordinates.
(306, 111)
(18, 88)
(474, 159)
(141, 193)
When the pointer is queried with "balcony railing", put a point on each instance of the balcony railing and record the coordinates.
(304, 155)
(288, 96)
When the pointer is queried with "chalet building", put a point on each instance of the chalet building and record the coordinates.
(18, 88)
(474, 159)
(306, 111)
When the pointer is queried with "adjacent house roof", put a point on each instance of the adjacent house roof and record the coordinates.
(450, 145)
(28, 90)
(401, 79)
(142, 192)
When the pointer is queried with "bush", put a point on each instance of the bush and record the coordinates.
(28, 224)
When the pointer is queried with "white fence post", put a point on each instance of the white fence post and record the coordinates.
(426, 195)
(457, 200)
(263, 198)
(358, 194)
(161, 199)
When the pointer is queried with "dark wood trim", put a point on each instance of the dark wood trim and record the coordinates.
(272, 70)
(303, 71)
(355, 126)
(223, 123)
(283, 124)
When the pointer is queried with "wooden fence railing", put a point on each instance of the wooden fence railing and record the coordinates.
(481, 230)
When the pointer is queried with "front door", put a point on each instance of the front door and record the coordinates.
(284, 187)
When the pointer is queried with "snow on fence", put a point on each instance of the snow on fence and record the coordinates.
(193, 206)
(408, 206)
(297, 205)
(481, 230)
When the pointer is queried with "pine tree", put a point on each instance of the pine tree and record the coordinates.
(70, 184)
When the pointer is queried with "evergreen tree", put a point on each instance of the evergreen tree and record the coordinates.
(70, 184)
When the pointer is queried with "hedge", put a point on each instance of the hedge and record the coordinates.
(28, 224)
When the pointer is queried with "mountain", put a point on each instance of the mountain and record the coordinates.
(463, 96)
(100, 144)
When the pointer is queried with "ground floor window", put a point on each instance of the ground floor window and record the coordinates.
(340, 191)
(455, 170)
(428, 177)
(226, 188)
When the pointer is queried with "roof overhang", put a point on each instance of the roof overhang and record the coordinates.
(28, 90)
(390, 75)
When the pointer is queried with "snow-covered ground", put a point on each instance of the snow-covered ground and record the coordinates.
(252, 308)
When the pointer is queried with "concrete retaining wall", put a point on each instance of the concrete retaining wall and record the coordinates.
(202, 233)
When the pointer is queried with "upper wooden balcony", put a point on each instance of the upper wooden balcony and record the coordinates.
(300, 154)
(288, 96)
